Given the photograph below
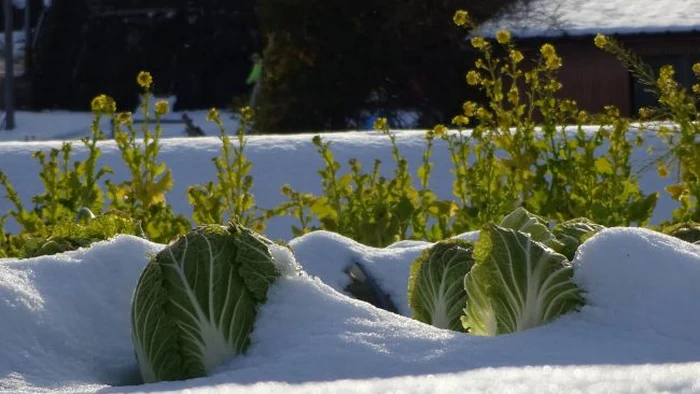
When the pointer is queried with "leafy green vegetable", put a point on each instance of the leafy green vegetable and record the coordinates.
(687, 231)
(573, 233)
(196, 302)
(70, 235)
(516, 284)
(436, 284)
(529, 223)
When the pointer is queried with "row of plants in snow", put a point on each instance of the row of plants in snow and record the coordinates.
(514, 150)
(196, 302)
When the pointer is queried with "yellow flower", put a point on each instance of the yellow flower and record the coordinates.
(213, 115)
(503, 37)
(110, 106)
(513, 96)
(247, 114)
(439, 130)
(98, 103)
(676, 191)
(469, 107)
(667, 72)
(547, 50)
(600, 41)
(144, 79)
(161, 107)
(124, 118)
(553, 62)
(460, 120)
(381, 124)
(516, 56)
(103, 104)
(696, 69)
(582, 117)
(696, 88)
(479, 42)
(555, 85)
(472, 77)
(460, 18)
(644, 113)
(662, 170)
(483, 114)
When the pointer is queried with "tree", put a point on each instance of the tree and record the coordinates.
(328, 60)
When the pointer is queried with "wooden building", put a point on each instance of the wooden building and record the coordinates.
(660, 31)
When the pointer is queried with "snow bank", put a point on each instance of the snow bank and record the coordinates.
(638, 279)
(553, 18)
(65, 327)
(65, 318)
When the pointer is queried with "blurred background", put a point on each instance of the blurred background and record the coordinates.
(327, 64)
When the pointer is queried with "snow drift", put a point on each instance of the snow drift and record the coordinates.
(65, 327)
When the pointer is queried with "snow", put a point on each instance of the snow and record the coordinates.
(65, 328)
(553, 18)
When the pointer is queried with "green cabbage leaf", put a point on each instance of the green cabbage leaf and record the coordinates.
(436, 291)
(516, 283)
(196, 302)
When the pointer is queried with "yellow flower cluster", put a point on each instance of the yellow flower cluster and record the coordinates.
(600, 41)
(479, 43)
(516, 56)
(461, 18)
(460, 120)
(503, 37)
(439, 130)
(213, 115)
(644, 113)
(103, 104)
(696, 69)
(513, 95)
(124, 118)
(247, 114)
(469, 108)
(144, 79)
(381, 124)
(472, 78)
(553, 61)
(161, 107)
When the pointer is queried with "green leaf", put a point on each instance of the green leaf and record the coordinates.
(196, 302)
(602, 165)
(436, 284)
(516, 284)
(573, 233)
(529, 223)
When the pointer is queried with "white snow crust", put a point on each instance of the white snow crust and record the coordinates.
(553, 18)
(65, 328)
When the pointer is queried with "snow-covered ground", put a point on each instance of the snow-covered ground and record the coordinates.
(64, 320)
(555, 18)
(65, 327)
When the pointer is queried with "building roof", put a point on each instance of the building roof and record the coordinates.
(553, 18)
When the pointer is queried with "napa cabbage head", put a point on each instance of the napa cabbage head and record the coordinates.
(436, 292)
(196, 302)
(516, 283)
